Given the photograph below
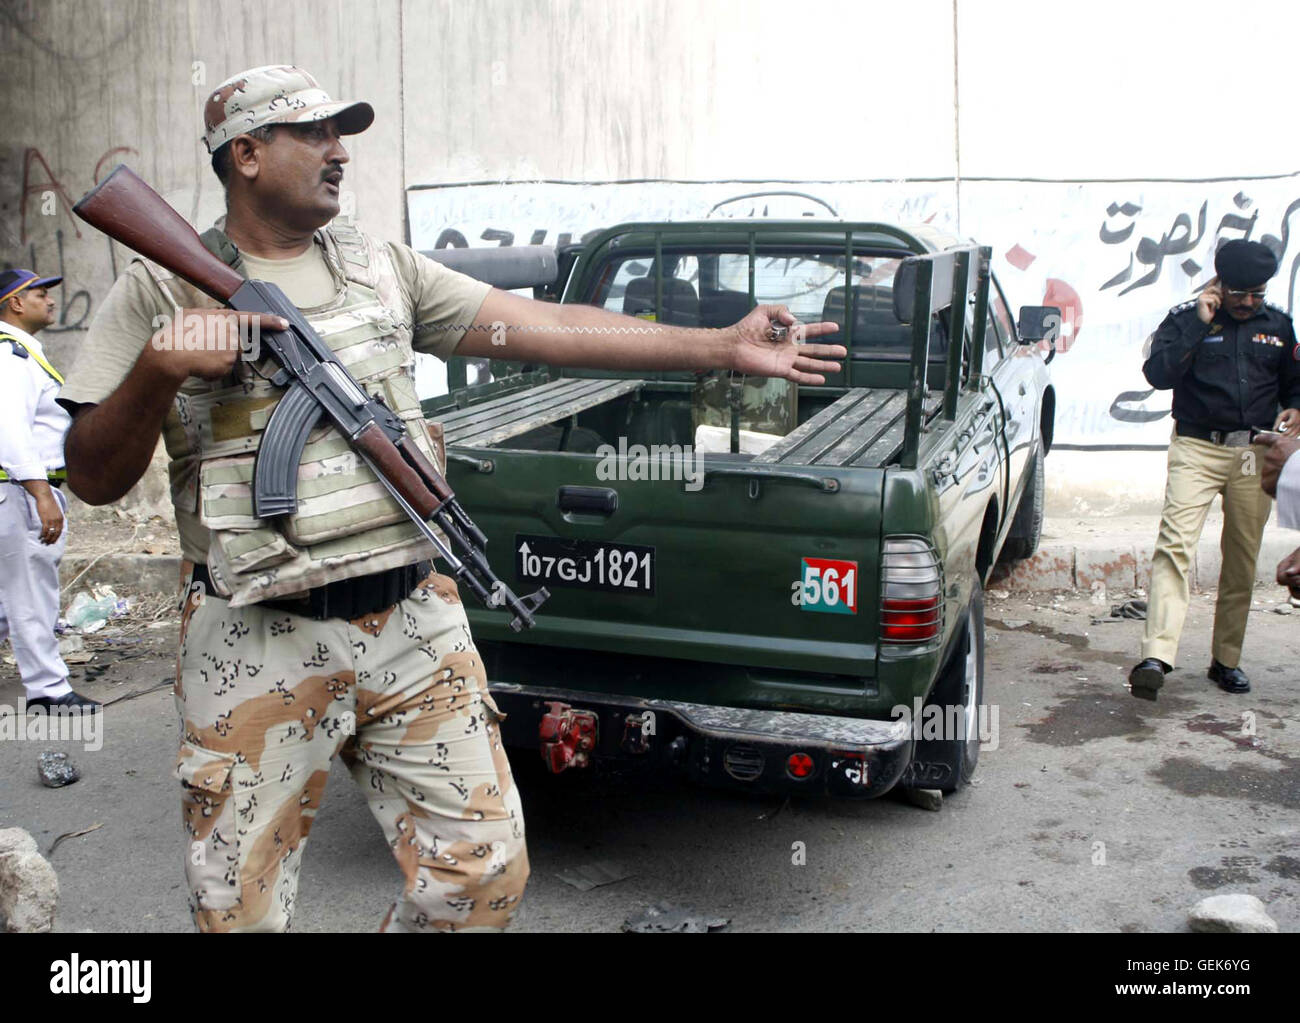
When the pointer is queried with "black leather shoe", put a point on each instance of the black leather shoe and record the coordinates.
(1146, 679)
(68, 701)
(1230, 680)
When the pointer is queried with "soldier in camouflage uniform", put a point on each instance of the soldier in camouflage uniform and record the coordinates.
(326, 631)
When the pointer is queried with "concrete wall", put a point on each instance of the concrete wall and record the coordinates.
(593, 91)
(94, 84)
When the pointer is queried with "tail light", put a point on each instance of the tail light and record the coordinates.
(911, 595)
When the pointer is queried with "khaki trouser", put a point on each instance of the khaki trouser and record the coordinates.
(1198, 470)
(266, 700)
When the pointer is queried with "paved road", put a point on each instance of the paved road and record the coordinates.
(1096, 811)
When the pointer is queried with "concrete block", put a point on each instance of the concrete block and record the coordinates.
(1142, 552)
(1116, 567)
(126, 573)
(1208, 563)
(1051, 568)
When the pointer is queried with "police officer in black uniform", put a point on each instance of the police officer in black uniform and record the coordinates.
(1231, 361)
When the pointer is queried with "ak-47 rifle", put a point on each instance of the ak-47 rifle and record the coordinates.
(129, 211)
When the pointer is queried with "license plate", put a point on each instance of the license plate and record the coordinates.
(585, 564)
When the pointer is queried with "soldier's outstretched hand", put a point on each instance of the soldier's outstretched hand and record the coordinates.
(1209, 300)
(770, 343)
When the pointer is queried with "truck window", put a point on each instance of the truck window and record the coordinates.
(632, 290)
(711, 289)
(802, 283)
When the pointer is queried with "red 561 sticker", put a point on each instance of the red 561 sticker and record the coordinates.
(828, 586)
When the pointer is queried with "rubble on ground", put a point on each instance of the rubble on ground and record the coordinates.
(56, 770)
(29, 888)
(1242, 914)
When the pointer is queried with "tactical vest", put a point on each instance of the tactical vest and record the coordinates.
(346, 524)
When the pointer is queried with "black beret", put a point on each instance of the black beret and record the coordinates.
(1243, 264)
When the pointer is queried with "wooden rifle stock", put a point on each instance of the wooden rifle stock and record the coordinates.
(129, 211)
(433, 479)
(388, 459)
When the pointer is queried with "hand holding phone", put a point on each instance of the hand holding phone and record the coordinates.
(1209, 300)
(1288, 422)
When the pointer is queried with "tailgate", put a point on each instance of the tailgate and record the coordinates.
(703, 569)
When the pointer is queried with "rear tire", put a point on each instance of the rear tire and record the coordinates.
(960, 685)
(1027, 527)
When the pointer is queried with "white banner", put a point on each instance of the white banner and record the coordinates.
(1115, 256)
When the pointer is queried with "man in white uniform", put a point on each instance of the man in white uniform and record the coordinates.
(32, 507)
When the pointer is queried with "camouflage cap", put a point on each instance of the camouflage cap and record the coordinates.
(275, 94)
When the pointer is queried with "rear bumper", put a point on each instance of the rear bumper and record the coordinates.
(727, 746)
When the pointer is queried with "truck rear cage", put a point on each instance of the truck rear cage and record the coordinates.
(924, 286)
(863, 428)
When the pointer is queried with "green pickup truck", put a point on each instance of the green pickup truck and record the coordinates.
(763, 585)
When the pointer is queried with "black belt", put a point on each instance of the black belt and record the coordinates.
(347, 598)
(1224, 438)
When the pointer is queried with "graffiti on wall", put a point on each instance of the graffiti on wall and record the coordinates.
(46, 199)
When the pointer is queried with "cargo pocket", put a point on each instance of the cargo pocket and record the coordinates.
(208, 809)
(246, 543)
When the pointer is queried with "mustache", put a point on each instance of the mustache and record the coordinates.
(334, 168)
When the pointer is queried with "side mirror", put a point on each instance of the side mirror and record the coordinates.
(1040, 323)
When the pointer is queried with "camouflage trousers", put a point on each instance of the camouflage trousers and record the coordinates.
(266, 700)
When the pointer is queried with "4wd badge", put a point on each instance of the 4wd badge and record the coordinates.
(828, 586)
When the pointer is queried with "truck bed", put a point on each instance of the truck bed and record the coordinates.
(520, 412)
(863, 428)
